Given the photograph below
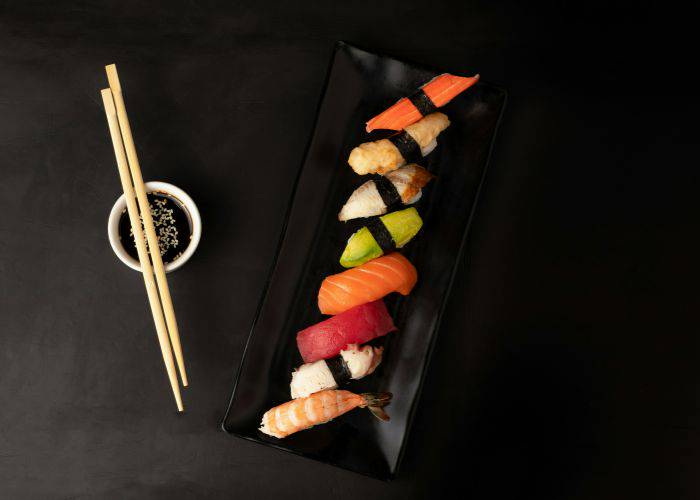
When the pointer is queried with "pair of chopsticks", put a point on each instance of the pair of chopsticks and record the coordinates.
(130, 172)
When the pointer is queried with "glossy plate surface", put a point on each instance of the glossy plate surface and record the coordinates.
(359, 86)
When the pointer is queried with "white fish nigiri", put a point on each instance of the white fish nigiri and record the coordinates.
(374, 197)
(351, 364)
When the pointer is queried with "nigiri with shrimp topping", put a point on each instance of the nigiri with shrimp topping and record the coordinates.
(320, 408)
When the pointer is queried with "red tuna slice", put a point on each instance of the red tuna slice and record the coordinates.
(355, 326)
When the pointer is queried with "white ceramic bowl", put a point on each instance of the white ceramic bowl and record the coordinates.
(187, 203)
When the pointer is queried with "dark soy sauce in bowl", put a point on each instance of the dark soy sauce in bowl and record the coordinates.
(172, 224)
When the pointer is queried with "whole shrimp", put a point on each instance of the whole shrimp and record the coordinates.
(319, 408)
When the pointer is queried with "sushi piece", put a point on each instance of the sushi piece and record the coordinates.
(370, 281)
(377, 196)
(357, 325)
(381, 235)
(427, 99)
(353, 363)
(383, 156)
(319, 408)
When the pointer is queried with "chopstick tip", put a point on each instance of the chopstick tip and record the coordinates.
(113, 77)
(108, 102)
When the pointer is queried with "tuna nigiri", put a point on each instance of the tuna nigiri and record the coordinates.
(434, 94)
(319, 408)
(353, 363)
(376, 196)
(385, 155)
(368, 282)
(357, 325)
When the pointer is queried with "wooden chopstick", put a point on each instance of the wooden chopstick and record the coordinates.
(146, 268)
(140, 189)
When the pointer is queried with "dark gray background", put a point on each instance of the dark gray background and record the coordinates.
(567, 365)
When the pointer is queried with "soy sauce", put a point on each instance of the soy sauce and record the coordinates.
(172, 224)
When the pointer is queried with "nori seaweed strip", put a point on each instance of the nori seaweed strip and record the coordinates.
(381, 235)
(390, 195)
(339, 369)
(422, 102)
(407, 146)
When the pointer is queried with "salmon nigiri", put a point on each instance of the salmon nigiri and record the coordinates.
(431, 96)
(366, 283)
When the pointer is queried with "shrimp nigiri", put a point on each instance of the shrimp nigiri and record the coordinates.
(385, 155)
(434, 94)
(319, 408)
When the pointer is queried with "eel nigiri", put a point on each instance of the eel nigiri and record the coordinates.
(370, 281)
(427, 99)
(319, 408)
(375, 197)
(357, 325)
(381, 235)
(353, 363)
(383, 156)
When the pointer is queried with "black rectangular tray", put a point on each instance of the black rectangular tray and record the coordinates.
(360, 85)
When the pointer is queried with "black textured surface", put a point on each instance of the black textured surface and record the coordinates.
(567, 365)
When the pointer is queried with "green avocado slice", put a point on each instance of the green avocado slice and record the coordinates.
(362, 247)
